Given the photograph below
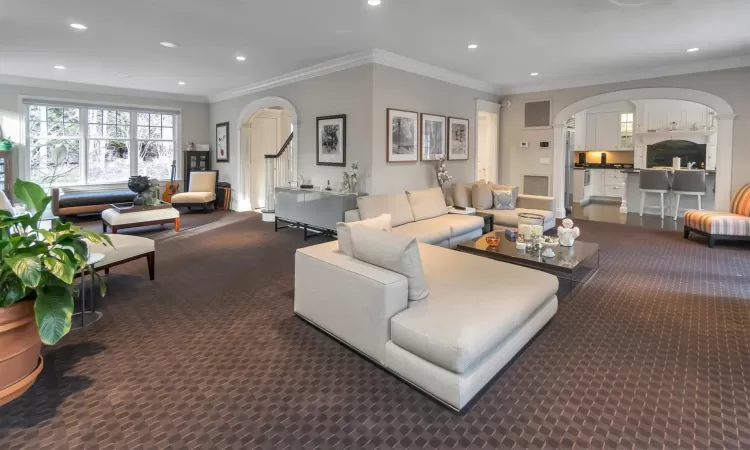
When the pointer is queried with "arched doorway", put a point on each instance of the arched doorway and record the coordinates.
(725, 132)
(244, 188)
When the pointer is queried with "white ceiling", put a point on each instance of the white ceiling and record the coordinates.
(560, 39)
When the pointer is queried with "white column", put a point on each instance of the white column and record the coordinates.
(624, 204)
(725, 135)
(558, 171)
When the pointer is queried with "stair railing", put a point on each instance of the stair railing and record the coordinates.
(278, 173)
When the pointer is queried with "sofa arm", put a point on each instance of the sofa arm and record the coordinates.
(349, 299)
(536, 202)
(352, 216)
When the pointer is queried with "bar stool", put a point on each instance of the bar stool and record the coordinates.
(654, 182)
(689, 182)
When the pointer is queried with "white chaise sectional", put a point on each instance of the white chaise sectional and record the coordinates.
(478, 315)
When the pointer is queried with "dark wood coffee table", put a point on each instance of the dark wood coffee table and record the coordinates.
(577, 264)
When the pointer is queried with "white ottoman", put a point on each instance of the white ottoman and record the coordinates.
(116, 221)
(124, 249)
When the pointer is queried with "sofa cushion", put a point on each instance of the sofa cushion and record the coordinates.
(481, 196)
(509, 218)
(193, 197)
(73, 199)
(431, 231)
(203, 181)
(397, 205)
(344, 231)
(715, 222)
(427, 203)
(394, 252)
(462, 194)
(474, 304)
(123, 247)
(459, 224)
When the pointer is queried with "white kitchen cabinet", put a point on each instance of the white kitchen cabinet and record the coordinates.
(711, 157)
(598, 183)
(608, 131)
(580, 135)
(581, 192)
(591, 131)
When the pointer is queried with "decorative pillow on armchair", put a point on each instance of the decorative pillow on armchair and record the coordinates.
(503, 199)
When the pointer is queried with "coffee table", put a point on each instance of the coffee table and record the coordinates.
(577, 264)
(117, 220)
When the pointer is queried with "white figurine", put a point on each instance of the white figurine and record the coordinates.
(567, 233)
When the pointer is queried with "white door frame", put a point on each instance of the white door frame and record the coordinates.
(242, 190)
(485, 106)
(724, 145)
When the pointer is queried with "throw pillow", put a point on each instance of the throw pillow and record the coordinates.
(503, 199)
(344, 231)
(502, 187)
(481, 196)
(462, 194)
(395, 252)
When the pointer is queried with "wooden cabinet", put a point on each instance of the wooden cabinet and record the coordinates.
(6, 173)
(195, 161)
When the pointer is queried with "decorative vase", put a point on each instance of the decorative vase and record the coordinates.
(139, 184)
(20, 363)
(567, 234)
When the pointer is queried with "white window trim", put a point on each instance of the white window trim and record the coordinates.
(23, 171)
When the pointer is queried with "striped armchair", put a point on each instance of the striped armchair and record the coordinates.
(720, 225)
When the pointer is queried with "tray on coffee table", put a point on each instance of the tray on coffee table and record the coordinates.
(130, 207)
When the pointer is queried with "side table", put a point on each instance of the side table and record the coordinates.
(489, 221)
(91, 312)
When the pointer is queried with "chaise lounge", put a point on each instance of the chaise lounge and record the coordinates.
(717, 225)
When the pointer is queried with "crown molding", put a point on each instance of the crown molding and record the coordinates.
(97, 89)
(385, 58)
(350, 61)
(656, 72)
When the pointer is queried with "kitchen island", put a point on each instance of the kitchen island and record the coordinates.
(632, 200)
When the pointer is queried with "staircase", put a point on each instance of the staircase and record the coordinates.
(278, 173)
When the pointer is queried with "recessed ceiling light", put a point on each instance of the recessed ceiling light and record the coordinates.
(694, 49)
(533, 74)
(181, 83)
(60, 67)
(473, 46)
(373, 2)
(168, 44)
(79, 26)
(240, 58)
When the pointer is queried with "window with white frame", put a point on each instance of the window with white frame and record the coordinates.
(80, 145)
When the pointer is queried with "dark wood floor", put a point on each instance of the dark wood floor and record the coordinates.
(610, 212)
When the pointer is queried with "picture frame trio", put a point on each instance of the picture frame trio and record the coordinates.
(413, 137)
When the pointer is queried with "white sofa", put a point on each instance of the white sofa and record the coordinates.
(422, 214)
(478, 315)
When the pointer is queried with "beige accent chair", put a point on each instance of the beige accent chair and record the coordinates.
(201, 191)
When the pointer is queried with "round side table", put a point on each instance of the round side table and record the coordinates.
(91, 315)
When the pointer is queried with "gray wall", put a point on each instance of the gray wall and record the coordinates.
(733, 85)
(194, 114)
(397, 89)
(346, 92)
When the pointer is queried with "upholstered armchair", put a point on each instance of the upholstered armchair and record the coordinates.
(720, 225)
(201, 190)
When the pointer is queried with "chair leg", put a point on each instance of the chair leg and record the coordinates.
(643, 201)
(150, 259)
(700, 201)
(687, 232)
(106, 271)
(661, 196)
(677, 206)
(711, 241)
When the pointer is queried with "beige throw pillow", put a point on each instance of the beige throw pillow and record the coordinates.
(397, 205)
(344, 231)
(481, 196)
(462, 194)
(501, 187)
(427, 203)
(395, 252)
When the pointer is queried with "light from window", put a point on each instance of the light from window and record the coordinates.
(54, 145)
(626, 130)
(109, 146)
(155, 145)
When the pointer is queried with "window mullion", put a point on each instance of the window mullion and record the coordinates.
(83, 155)
(133, 143)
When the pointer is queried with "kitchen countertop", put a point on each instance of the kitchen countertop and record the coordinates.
(708, 172)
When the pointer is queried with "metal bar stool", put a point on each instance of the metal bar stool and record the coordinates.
(654, 182)
(688, 182)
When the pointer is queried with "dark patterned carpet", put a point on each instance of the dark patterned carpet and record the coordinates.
(653, 353)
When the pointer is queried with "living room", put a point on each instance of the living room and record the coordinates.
(230, 233)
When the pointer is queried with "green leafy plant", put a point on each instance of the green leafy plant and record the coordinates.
(42, 263)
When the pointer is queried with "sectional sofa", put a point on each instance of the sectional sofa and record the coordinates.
(478, 315)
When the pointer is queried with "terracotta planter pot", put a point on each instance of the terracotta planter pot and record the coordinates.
(20, 362)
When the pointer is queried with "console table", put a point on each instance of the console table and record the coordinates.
(312, 209)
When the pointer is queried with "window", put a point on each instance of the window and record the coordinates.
(626, 130)
(98, 145)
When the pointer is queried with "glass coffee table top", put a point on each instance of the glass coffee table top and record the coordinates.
(567, 260)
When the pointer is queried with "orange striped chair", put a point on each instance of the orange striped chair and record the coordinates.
(720, 225)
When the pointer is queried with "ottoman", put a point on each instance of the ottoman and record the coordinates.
(116, 221)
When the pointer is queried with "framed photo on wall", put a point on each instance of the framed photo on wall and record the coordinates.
(222, 142)
(403, 136)
(458, 139)
(433, 137)
(332, 140)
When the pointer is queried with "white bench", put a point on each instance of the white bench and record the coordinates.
(124, 249)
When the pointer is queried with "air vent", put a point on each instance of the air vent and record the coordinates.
(537, 114)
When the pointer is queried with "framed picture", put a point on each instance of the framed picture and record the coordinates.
(332, 140)
(433, 137)
(222, 142)
(458, 139)
(403, 136)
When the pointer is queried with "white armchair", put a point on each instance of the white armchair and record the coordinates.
(201, 190)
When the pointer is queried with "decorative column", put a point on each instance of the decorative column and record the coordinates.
(624, 204)
(724, 137)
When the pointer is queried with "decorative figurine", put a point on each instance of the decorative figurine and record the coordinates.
(548, 253)
(567, 233)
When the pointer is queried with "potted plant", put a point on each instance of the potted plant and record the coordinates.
(37, 294)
